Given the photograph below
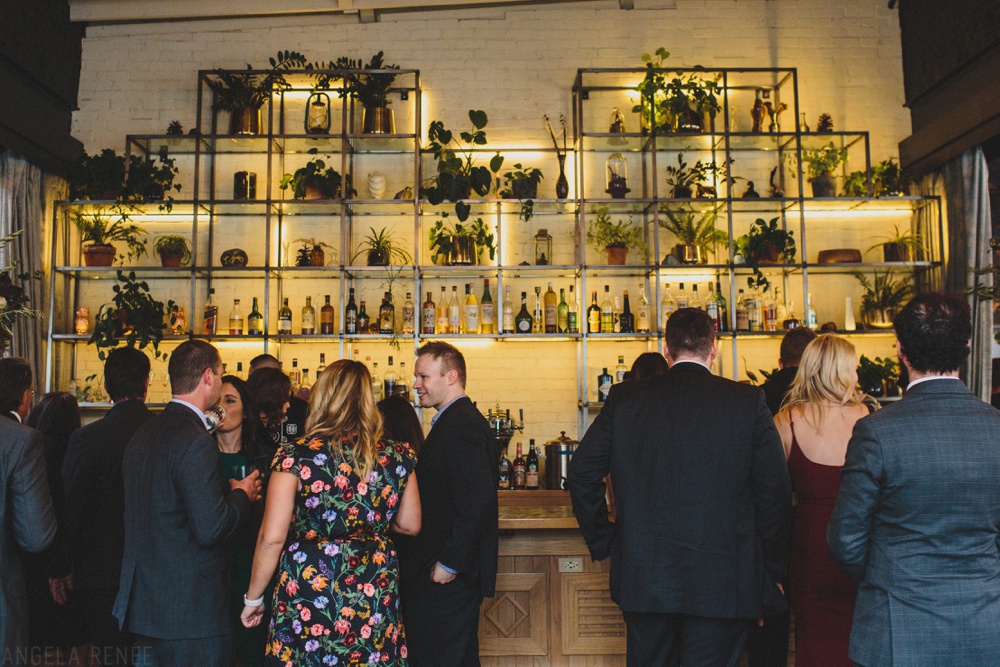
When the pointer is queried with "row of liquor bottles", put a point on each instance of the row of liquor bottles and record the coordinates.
(549, 315)
(521, 473)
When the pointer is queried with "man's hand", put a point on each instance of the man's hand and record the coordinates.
(59, 586)
(439, 575)
(249, 484)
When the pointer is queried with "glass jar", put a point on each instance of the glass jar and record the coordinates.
(81, 324)
(543, 248)
(617, 176)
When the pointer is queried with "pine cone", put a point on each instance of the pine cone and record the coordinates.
(825, 123)
(175, 127)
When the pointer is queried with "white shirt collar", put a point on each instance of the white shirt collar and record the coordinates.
(17, 416)
(693, 361)
(201, 415)
(930, 377)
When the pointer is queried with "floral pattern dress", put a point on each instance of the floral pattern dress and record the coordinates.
(336, 601)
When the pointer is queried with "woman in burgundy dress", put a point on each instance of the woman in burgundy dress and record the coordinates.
(815, 423)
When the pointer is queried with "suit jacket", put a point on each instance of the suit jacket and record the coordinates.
(95, 495)
(917, 524)
(28, 523)
(777, 386)
(458, 474)
(178, 512)
(702, 495)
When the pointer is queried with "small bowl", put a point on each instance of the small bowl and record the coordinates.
(839, 256)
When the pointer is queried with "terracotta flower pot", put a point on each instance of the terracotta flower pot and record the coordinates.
(99, 255)
(616, 256)
(170, 260)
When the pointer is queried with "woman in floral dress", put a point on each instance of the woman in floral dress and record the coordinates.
(336, 601)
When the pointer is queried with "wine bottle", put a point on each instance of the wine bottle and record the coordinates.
(607, 312)
(531, 468)
(236, 319)
(428, 315)
(604, 382)
(626, 321)
(351, 315)
(573, 317)
(523, 320)
(408, 314)
(255, 321)
(487, 314)
(471, 311)
(508, 312)
(211, 315)
(454, 312)
(326, 317)
(308, 318)
(376, 380)
(742, 314)
(593, 315)
(562, 313)
(520, 466)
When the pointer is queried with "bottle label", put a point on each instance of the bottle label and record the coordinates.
(604, 387)
(486, 315)
(531, 478)
(572, 321)
(471, 319)
(550, 315)
(408, 314)
(643, 325)
(524, 326)
(211, 319)
(594, 322)
(508, 320)
(255, 326)
(428, 320)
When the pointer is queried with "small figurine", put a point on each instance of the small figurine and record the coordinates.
(776, 192)
(750, 193)
(405, 193)
(825, 123)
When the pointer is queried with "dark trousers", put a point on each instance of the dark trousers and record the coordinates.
(202, 652)
(767, 646)
(441, 622)
(671, 640)
(110, 647)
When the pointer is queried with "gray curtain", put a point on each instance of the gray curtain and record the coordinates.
(967, 206)
(26, 204)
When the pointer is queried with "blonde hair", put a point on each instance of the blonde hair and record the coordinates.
(342, 407)
(825, 377)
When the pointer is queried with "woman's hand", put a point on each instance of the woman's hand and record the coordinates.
(252, 616)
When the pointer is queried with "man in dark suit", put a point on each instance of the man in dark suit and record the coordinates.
(174, 589)
(449, 568)
(917, 518)
(27, 520)
(703, 503)
(767, 643)
(95, 495)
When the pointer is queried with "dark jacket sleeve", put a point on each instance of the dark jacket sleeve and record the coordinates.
(213, 512)
(772, 492)
(587, 469)
(33, 520)
(851, 525)
(473, 494)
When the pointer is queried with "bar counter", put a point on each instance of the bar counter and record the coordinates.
(552, 607)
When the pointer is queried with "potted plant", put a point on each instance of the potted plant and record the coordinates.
(381, 249)
(316, 181)
(243, 93)
(173, 250)
(311, 252)
(883, 297)
(461, 244)
(134, 318)
(856, 184)
(13, 296)
(879, 377)
(900, 246)
(522, 182)
(458, 175)
(150, 180)
(97, 177)
(101, 230)
(766, 243)
(696, 234)
(887, 180)
(821, 163)
(683, 180)
(614, 237)
(677, 104)
(371, 89)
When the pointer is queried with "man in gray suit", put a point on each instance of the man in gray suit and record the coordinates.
(26, 512)
(917, 518)
(174, 592)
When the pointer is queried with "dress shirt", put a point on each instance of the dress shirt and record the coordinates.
(930, 377)
(443, 408)
(201, 415)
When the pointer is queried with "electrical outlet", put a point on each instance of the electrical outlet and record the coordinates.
(570, 564)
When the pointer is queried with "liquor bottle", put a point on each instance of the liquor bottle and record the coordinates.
(770, 310)
(387, 316)
(607, 312)
(531, 468)
(811, 320)
(454, 312)
(351, 315)
(306, 382)
(402, 385)
(322, 364)
(295, 376)
(308, 318)
(562, 313)
(626, 321)
(285, 319)
(428, 314)
(616, 313)
(389, 383)
(376, 379)
(442, 312)
(255, 321)
(667, 306)
(604, 382)
(471, 310)
(520, 466)
(236, 319)
(742, 315)
(363, 319)
(508, 312)
(573, 317)
(326, 317)
(642, 321)
(755, 311)
(504, 483)
(782, 308)
(695, 301)
(408, 314)
(523, 320)
(239, 369)
(791, 320)
(620, 369)
(487, 314)
(211, 324)
(551, 311)
(682, 298)
(593, 315)
(722, 306)
(538, 318)
(712, 308)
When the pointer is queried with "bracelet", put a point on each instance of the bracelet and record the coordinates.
(253, 603)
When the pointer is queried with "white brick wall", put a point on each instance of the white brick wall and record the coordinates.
(516, 64)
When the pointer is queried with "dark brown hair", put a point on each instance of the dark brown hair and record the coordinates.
(126, 372)
(400, 422)
(269, 389)
(793, 344)
(15, 379)
(934, 330)
(647, 365)
(188, 363)
(690, 331)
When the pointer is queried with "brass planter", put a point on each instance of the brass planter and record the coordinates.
(245, 121)
(463, 251)
(378, 120)
(688, 253)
